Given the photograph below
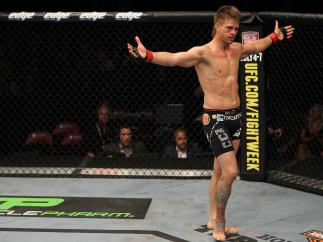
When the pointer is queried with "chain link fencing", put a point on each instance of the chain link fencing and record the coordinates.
(56, 74)
(294, 105)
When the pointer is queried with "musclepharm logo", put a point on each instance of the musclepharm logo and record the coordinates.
(21, 16)
(20, 206)
(57, 16)
(13, 202)
(128, 16)
(92, 16)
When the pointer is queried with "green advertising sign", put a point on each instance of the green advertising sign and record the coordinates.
(73, 207)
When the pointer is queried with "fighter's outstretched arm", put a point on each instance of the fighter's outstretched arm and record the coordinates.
(184, 59)
(260, 45)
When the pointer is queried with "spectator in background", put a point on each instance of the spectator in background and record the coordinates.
(280, 146)
(310, 145)
(100, 134)
(180, 149)
(126, 146)
(281, 137)
(275, 133)
(321, 146)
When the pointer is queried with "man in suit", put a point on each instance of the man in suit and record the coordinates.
(126, 147)
(100, 133)
(181, 149)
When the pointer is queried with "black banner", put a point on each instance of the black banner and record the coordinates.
(252, 152)
(74, 207)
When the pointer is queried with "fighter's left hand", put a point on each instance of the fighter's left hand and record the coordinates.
(284, 33)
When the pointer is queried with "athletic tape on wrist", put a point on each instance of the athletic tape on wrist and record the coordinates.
(149, 54)
(274, 37)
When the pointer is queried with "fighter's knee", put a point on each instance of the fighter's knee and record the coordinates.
(230, 174)
(234, 173)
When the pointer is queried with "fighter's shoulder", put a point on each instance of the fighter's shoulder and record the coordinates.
(236, 45)
(198, 50)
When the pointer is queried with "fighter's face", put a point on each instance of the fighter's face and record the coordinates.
(228, 30)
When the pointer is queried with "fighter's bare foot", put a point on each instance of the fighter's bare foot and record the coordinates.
(231, 230)
(228, 230)
(210, 225)
(219, 236)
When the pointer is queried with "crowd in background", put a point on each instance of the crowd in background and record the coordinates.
(113, 133)
(61, 77)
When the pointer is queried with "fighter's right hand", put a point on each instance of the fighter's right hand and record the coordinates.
(139, 52)
(283, 33)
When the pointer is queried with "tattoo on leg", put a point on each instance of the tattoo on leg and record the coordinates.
(220, 222)
(221, 198)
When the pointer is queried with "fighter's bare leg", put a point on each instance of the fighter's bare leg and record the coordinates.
(212, 191)
(229, 170)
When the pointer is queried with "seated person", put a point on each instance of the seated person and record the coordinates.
(310, 145)
(180, 149)
(126, 146)
(100, 133)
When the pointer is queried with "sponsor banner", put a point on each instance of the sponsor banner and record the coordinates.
(252, 87)
(72, 16)
(74, 207)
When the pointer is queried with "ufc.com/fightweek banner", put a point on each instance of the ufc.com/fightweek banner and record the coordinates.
(252, 91)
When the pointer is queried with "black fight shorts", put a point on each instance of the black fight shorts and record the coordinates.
(220, 128)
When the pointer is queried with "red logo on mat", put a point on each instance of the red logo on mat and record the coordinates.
(314, 235)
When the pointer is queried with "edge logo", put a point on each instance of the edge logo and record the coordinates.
(72, 207)
(21, 15)
(128, 15)
(57, 16)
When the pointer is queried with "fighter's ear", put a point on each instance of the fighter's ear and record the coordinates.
(215, 27)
